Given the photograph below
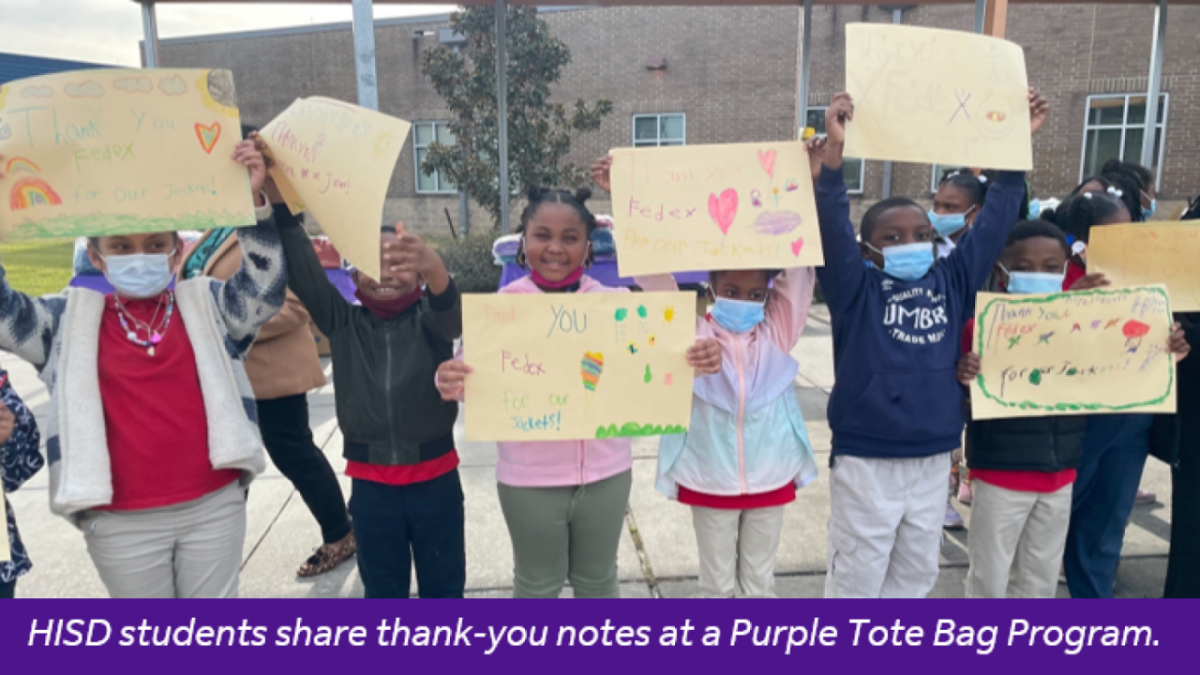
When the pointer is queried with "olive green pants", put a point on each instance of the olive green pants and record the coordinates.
(561, 533)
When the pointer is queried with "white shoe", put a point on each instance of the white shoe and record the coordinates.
(953, 520)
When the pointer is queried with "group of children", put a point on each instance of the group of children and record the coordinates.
(153, 433)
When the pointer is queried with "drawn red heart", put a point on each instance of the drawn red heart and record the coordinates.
(1133, 328)
(723, 208)
(796, 246)
(767, 160)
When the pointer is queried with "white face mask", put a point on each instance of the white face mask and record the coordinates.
(139, 275)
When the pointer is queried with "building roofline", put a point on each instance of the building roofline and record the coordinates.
(336, 27)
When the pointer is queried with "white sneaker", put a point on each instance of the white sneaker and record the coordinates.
(953, 521)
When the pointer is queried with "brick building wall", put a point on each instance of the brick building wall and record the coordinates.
(733, 73)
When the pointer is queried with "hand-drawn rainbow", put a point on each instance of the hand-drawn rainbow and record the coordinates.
(591, 368)
(22, 165)
(30, 192)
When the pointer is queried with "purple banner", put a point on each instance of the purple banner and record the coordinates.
(279, 636)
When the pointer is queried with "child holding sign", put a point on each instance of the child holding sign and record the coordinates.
(564, 501)
(19, 461)
(153, 436)
(746, 449)
(406, 502)
(896, 410)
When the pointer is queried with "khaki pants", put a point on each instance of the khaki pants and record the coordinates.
(189, 550)
(738, 550)
(885, 526)
(1016, 542)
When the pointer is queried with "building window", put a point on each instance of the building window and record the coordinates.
(1114, 128)
(424, 135)
(852, 169)
(651, 131)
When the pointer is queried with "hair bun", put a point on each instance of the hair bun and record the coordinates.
(583, 194)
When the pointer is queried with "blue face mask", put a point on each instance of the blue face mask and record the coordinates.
(738, 316)
(947, 224)
(908, 262)
(139, 275)
(1035, 209)
(1034, 283)
(1148, 211)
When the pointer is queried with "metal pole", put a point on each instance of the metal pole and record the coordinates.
(980, 14)
(150, 34)
(805, 69)
(364, 55)
(1155, 85)
(897, 17)
(502, 107)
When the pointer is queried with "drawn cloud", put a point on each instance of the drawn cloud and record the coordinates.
(37, 92)
(88, 89)
(134, 85)
(172, 86)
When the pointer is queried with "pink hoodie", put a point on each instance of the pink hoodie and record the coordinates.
(559, 463)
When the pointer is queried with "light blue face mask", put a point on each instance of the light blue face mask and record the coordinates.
(139, 275)
(1034, 283)
(908, 262)
(738, 316)
(947, 224)
(1035, 209)
(1148, 211)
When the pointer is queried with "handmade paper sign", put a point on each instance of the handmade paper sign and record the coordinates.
(336, 159)
(937, 97)
(558, 366)
(714, 207)
(102, 152)
(1150, 253)
(1080, 353)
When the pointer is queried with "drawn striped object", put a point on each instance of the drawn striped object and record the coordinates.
(590, 368)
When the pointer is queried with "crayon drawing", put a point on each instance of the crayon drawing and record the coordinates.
(555, 367)
(1080, 353)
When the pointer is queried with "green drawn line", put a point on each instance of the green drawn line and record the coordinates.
(635, 429)
(96, 225)
(981, 333)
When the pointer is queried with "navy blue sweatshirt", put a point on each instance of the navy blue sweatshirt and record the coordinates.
(896, 343)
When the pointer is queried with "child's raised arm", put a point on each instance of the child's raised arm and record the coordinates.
(28, 325)
(255, 293)
(787, 310)
(844, 274)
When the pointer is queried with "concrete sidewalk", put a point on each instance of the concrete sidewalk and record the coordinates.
(657, 557)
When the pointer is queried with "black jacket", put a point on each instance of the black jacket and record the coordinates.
(1167, 429)
(1044, 444)
(388, 407)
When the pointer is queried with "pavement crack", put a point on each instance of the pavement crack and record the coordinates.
(643, 556)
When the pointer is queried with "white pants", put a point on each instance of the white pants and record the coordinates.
(188, 550)
(1016, 542)
(737, 550)
(885, 526)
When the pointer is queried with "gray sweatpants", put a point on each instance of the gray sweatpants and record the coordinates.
(188, 550)
(561, 533)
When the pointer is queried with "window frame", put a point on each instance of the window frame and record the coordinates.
(1124, 126)
(862, 163)
(658, 140)
(417, 147)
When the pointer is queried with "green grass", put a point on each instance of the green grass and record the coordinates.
(38, 267)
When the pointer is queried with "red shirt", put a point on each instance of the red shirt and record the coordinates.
(406, 474)
(154, 417)
(762, 500)
(1074, 273)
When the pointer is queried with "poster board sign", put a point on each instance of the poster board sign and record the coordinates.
(714, 207)
(1080, 353)
(104, 152)
(1150, 253)
(577, 366)
(937, 97)
(335, 160)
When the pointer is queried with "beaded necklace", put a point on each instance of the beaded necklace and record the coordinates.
(153, 335)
